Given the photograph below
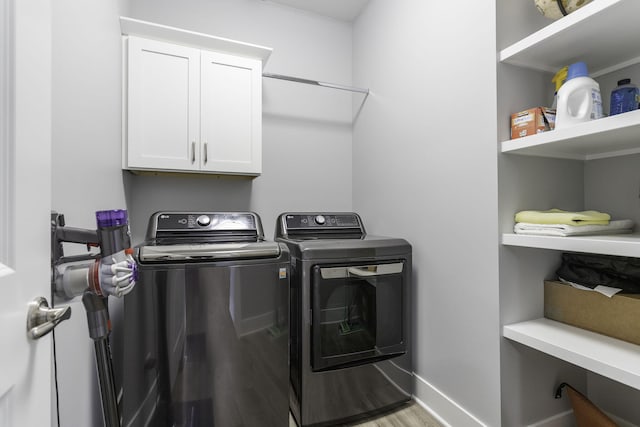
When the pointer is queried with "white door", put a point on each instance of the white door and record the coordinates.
(231, 114)
(163, 105)
(25, 137)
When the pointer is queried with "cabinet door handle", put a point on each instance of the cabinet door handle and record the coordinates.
(206, 153)
(193, 152)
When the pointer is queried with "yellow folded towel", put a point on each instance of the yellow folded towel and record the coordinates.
(558, 216)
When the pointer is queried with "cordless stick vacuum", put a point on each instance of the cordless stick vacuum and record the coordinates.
(112, 272)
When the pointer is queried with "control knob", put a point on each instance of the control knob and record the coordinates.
(203, 220)
(320, 220)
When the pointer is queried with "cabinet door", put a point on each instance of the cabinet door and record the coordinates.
(231, 114)
(163, 106)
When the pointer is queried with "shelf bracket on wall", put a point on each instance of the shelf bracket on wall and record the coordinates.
(323, 84)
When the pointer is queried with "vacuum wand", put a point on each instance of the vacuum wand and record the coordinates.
(99, 329)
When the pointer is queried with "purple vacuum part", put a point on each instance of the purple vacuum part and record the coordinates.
(134, 267)
(111, 218)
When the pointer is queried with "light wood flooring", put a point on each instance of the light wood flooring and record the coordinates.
(410, 415)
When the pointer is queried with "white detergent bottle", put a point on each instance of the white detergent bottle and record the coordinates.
(579, 98)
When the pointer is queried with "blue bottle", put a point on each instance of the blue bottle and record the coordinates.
(624, 98)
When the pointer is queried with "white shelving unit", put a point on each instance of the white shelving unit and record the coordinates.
(585, 35)
(612, 358)
(608, 137)
(616, 244)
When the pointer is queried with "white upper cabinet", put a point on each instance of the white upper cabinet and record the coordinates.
(191, 109)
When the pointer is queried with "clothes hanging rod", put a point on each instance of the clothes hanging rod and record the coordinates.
(315, 83)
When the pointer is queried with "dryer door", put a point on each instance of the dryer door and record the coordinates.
(357, 314)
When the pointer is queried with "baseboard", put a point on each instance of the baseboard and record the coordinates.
(566, 419)
(444, 410)
(450, 414)
(621, 422)
(563, 419)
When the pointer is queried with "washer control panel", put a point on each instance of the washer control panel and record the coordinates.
(185, 224)
(198, 221)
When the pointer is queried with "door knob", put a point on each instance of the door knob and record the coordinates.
(41, 319)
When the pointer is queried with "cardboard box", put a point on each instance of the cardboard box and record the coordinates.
(617, 317)
(532, 121)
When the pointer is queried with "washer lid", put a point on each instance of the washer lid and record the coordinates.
(207, 252)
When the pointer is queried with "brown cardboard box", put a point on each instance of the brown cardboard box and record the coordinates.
(617, 317)
(532, 121)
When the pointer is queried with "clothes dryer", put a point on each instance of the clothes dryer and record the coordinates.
(350, 351)
(206, 329)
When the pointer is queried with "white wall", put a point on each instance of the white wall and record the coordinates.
(306, 136)
(619, 173)
(86, 176)
(425, 168)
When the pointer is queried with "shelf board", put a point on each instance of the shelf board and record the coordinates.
(607, 137)
(604, 34)
(620, 244)
(610, 357)
(130, 26)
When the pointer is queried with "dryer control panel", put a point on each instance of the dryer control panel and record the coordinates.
(319, 224)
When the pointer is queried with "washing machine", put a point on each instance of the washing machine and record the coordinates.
(206, 329)
(350, 347)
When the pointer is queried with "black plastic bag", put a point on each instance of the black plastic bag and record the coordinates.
(593, 270)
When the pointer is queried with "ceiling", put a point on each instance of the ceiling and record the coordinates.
(345, 10)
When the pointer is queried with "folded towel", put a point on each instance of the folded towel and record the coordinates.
(614, 227)
(558, 216)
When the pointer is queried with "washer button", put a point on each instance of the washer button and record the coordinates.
(203, 220)
(319, 219)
